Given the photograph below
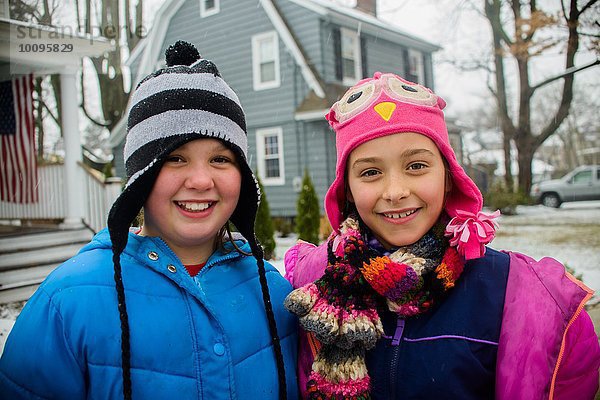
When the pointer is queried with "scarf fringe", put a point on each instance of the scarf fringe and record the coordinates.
(331, 323)
(339, 375)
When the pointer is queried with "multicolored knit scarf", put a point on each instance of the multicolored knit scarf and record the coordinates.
(340, 308)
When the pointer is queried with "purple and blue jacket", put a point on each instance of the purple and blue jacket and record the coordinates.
(512, 328)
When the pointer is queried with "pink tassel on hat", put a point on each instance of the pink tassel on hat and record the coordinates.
(471, 232)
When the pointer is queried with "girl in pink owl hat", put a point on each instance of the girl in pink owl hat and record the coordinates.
(404, 300)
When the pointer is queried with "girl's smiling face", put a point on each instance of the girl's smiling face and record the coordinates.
(196, 192)
(398, 184)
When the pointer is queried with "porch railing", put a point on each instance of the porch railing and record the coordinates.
(99, 195)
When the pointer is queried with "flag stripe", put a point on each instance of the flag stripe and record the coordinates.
(24, 172)
(3, 172)
(30, 165)
(19, 141)
(18, 156)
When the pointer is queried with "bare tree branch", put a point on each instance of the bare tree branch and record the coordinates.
(468, 65)
(590, 35)
(83, 107)
(588, 5)
(569, 71)
(492, 5)
(567, 92)
(50, 113)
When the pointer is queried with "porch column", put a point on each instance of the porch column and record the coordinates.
(73, 174)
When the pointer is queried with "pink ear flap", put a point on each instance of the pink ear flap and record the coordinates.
(330, 116)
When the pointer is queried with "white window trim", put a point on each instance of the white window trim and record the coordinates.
(207, 13)
(357, 57)
(257, 84)
(260, 155)
(420, 67)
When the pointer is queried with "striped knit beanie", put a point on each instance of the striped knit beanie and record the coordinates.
(185, 101)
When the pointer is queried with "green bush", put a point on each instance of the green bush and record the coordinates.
(263, 226)
(498, 197)
(308, 217)
(283, 225)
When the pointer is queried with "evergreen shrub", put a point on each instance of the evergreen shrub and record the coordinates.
(308, 213)
(263, 225)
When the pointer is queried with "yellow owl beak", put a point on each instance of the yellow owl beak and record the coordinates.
(385, 109)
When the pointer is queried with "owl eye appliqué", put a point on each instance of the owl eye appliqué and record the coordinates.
(355, 96)
(355, 99)
(411, 93)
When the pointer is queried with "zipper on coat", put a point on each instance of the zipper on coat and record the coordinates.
(228, 257)
(396, 339)
(169, 250)
(562, 344)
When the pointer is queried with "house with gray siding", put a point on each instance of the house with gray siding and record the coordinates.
(288, 61)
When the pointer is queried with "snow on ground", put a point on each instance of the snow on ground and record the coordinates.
(8, 314)
(570, 234)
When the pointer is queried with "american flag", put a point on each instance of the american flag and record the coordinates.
(17, 156)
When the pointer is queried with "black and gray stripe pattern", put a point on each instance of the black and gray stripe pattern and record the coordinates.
(172, 105)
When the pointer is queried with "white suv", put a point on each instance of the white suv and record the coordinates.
(583, 183)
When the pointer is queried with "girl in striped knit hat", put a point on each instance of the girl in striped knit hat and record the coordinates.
(404, 300)
(179, 309)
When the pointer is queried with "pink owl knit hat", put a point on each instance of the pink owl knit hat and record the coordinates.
(387, 104)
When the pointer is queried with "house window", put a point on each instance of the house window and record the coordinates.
(209, 7)
(269, 149)
(350, 53)
(416, 70)
(265, 60)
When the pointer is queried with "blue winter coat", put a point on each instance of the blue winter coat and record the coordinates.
(205, 337)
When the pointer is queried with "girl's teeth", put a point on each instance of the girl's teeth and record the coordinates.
(400, 215)
(194, 206)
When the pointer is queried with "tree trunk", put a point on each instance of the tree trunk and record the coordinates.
(508, 177)
(492, 11)
(55, 82)
(525, 159)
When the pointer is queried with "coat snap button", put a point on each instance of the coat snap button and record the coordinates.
(219, 349)
(171, 268)
(153, 255)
